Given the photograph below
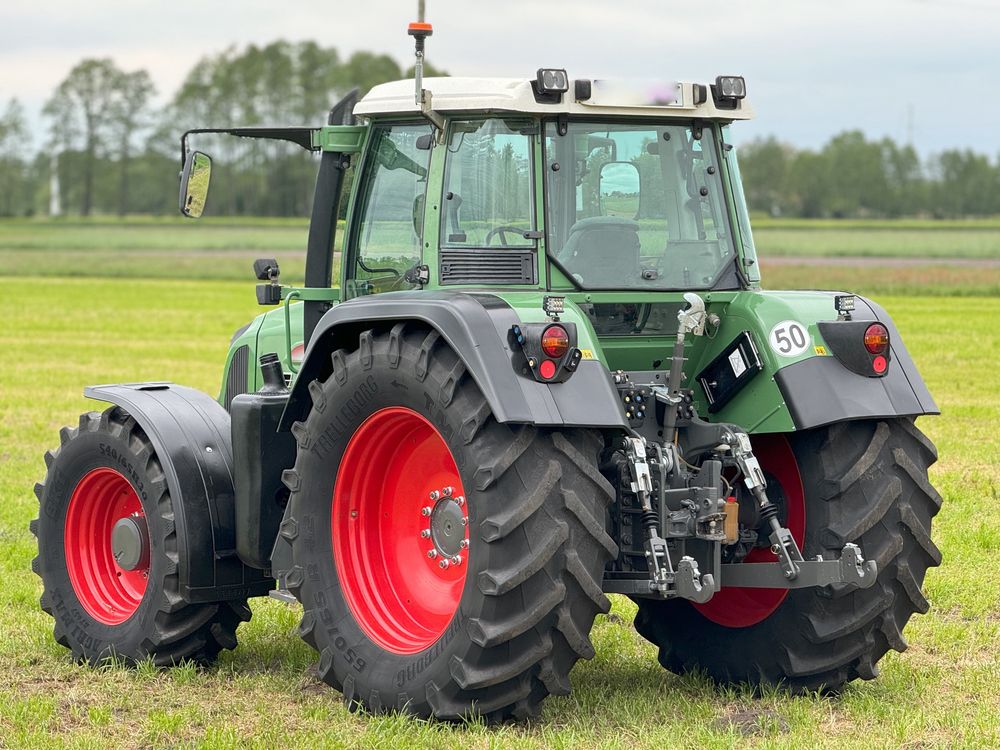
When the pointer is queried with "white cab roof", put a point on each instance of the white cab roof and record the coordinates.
(454, 94)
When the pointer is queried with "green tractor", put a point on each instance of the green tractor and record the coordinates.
(545, 372)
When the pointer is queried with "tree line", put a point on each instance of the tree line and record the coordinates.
(854, 177)
(111, 150)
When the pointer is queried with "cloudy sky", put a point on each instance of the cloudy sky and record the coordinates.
(898, 67)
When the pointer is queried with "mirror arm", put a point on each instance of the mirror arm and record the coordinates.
(303, 137)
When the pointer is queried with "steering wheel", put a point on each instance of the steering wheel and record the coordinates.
(364, 267)
(502, 232)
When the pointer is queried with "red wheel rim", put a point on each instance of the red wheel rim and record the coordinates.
(398, 497)
(742, 607)
(109, 593)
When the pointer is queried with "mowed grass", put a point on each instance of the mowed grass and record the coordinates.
(61, 334)
(924, 238)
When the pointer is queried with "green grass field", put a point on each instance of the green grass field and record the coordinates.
(224, 249)
(62, 333)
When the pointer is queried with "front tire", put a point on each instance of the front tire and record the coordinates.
(863, 482)
(104, 471)
(397, 422)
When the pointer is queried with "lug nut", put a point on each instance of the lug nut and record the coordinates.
(435, 495)
(444, 564)
(456, 560)
(460, 499)
(432, 553)
(447, 491)
(425, 534)
(425, 511)
(464, 544)
(465, 521)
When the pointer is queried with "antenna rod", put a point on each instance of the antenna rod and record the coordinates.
(419, 31)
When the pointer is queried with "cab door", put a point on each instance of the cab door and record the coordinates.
(385, 238)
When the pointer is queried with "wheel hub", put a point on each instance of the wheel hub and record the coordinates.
(448, 524)
(130, 543)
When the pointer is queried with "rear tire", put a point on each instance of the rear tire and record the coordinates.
(536, 550)
(103, 470)
(864, 482)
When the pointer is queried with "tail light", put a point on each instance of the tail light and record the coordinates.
(876, 338)
(862, 346)
(546, 351)
(298, 353)
(555, 341)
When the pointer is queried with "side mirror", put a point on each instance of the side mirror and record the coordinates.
(194, 184)
(619, 189)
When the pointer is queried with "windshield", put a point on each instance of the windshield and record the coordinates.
(637, 206)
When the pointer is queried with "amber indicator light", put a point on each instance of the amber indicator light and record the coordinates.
(555, 341)
(876, 338)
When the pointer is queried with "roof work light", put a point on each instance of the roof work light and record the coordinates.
(552, 81)
(729, 91)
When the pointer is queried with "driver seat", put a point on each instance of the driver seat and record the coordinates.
(603, 251)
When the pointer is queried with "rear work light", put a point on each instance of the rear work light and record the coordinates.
(876, 338)
(552, 80)
(555, 341)
(731, 87)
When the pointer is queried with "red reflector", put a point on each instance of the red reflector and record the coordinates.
(879, 364)
(555, 341)
(298, 353)
(876, 338)
(547, 369)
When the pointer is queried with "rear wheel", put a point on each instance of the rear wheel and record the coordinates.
(448, 565)
(107, 552)
(862, 482)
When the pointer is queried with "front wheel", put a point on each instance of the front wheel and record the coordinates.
(448, 565)
(107, 552)
(862, 482)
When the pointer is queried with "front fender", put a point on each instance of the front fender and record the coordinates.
(190, 432)
(475, 326)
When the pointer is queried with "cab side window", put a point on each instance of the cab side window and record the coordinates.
(488, 185)
(387, 234)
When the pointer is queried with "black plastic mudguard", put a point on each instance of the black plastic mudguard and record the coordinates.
(475, 325)
(822, 390)
(190, 432)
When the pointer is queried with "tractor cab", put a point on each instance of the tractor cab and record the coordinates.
(600, 186)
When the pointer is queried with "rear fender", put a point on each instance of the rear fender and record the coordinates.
(475, 326)
(823, 390)
(190, 432)
(812, 386)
